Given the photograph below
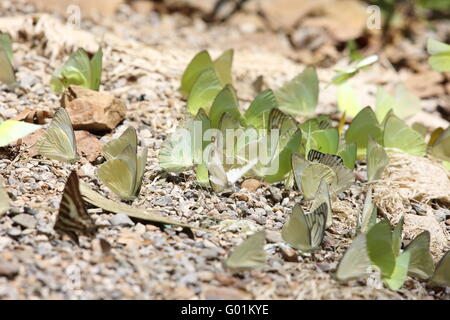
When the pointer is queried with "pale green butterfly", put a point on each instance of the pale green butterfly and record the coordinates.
(300, 95)
(440, 55)
(364, 124)
(380, 247)
(348, 100)
(307, 175)
(203, 61)
(347, 151)
(183, 149)
(356, 262)
(403, 103)
(225, 102)
(124, 169)
(344, 176)
(305, 232)
(288, 138)
(58, 141)
(399, 274)
(421, 264)
(353, 69)
(441, 276)
(219, 178)
(79, 70)
(368, 217)
(323, 196)
(204, 91)
(7, 74)
(258, 112)
(377, 160)
(249, 254)
(398, 136)
(441, 146)
(12, 130)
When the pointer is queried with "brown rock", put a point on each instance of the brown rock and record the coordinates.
(88, 145)
(289, 254)
(91, 110)
(251, 185)
(223, 293)
(142, 6)
(224, 279)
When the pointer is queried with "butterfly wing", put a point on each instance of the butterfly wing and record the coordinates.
(323, 196)
(58, 141)
(249, 254)
(119, 174)
(217, 175)
(7, 74)
(316, 222)
(377, 160)
(421, 264)
(311, 177)
(4, 199)
(72, 216)
(441, 276)
(140, 169)
(344, 176)
(295, 231)
(116, 146)
(355, 263)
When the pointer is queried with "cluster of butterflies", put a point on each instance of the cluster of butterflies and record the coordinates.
(123, 170)
(376, 248)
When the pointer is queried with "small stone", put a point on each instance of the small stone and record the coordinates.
(87, 170)
(88, 145)
(273, 236)
(9, 269)
(276, 194)
(25, 220)
(289, 254)
(260, 211)
(14, 232)
(206, 276)
(326, 267)
(251, 185)
(121, 220)
(139, 228)
(224, 279)
(164, 201)
(91, 110)
(447, 222)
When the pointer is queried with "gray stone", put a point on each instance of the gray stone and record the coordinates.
(273, 236)
(9, 269)
(121, 220)
(164, 201)
(25, 220)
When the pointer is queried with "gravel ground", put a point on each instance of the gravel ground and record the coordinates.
(143, 62)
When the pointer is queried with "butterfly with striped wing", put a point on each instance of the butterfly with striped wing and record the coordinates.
(73, 218)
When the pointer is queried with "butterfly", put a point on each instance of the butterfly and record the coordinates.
(356, 262)
(399, 136)
(441, 276)
(219, 178)
(12, 130)
(376, 159)
(300, 95)
(305, 232)
(7, 74)
(440, 55)
(124, 169)
(79, 70)
(249, 254)
(368, 217)
(353, 69)
(421, 264)
(58, 141)
(72, 217)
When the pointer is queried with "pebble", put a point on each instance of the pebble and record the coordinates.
(121, 220)
(9, 269)
(441, 214)
(14, 232)
(273, 236)
(25, 220)
(164, 201)
(289, 254)
(251, 185)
